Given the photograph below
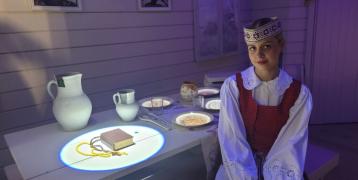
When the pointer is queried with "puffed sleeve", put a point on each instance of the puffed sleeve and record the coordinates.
(238, 161)
(286, 158)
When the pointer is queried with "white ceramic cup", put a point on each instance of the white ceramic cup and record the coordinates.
(124, 96)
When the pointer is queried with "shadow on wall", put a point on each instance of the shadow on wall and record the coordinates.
(23, 76)
(28, 61)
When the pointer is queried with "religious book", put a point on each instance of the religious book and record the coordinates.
(116, 139)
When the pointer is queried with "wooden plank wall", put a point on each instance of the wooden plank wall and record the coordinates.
(334, 62)
(113, 44)
(293, 15)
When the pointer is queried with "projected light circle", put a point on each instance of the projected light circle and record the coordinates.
(147, 141)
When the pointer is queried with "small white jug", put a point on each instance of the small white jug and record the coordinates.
(126, 107)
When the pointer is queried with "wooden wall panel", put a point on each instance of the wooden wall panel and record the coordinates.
(259, 4)
(60, 57)
(112, 43)
(293, 58)
(128, 5)
(93, 69)
(294, 24)
(294, 35)
(335, 67)
(37, 86)
(71, 39)
(41, 21)
(13, 6)
(287, 24)
(283, 13)
(294, 47)
(95, 5)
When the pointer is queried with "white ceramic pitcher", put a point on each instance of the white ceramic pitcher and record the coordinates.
(71, 107)
(126, 107)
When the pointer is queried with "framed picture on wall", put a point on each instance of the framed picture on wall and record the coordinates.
(154, 5)
(56, 5)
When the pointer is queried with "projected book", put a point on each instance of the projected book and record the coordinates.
(116, 139)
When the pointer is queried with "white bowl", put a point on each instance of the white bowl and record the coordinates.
(208, 91)
(213, 104)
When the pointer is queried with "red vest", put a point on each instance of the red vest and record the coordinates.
(263, 123)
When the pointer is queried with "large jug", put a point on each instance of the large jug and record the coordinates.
(71, 107)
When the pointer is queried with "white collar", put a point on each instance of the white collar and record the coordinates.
(251, 81)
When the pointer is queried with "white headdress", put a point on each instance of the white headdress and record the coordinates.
(268, 30)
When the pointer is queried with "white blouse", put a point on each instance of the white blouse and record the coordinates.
(286, 157)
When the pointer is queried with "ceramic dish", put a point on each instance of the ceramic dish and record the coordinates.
(193, 119)
(155, 102)
(213, 104)
(208, 91)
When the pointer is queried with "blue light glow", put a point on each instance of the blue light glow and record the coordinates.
(148, 142)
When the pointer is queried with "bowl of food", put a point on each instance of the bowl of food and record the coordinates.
(193, 119)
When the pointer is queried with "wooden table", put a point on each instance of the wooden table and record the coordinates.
(36, 150)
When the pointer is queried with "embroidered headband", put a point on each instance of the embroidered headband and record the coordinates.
(268, 30)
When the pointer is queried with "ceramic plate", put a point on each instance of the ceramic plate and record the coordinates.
(193, 119)
(213, 104)
(155, 102)
(208, 91)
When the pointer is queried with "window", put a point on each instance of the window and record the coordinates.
(216, 28)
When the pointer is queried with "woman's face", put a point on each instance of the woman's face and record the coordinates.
(264, 54)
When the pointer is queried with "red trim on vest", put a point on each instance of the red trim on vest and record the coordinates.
(263, 123)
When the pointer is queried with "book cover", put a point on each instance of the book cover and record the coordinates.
(116, 139)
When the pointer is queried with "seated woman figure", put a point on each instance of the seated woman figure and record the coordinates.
(264, 115)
